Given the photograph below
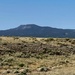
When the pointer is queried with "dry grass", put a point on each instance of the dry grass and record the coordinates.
(57, 65)
(13, 61)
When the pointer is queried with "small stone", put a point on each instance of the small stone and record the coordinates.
(45, 69)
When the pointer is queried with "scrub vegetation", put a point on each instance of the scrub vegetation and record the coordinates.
(37, 56)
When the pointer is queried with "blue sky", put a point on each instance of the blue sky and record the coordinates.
(53, 13)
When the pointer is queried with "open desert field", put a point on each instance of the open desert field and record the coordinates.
(37, 56)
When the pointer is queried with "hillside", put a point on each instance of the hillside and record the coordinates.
(32, 30)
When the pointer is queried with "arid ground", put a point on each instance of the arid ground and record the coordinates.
(37, 56)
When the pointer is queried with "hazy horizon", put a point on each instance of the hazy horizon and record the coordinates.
(52, 13)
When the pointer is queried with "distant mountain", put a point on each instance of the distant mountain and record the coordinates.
(32, 30)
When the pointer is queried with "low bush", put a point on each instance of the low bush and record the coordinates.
(21, 65)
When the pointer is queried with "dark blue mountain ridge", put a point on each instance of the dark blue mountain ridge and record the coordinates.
(33, 30)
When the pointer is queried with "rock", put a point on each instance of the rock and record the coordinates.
(16, 71)
(45, 69)
(21, 70)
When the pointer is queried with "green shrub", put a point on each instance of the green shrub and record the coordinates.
(67, 39)
(4, 43)
(18, 54)
(73, 42)
(10, 59)
(15, 38)
(24, 72)
(16, 71)
(0, 39)
(49, 39)
(21, 65)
